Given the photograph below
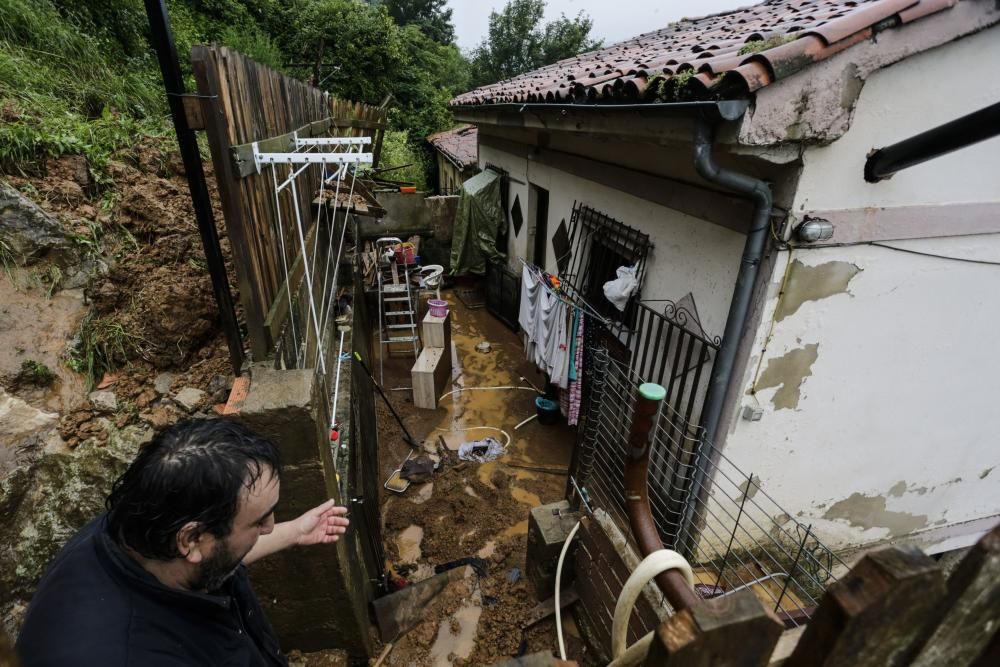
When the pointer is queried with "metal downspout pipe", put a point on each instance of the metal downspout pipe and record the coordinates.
(723, 371)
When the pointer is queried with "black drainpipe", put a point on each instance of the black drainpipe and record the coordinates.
(759, 192)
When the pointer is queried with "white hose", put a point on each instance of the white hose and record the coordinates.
(651, 565)
(562, 557)
(635, 654)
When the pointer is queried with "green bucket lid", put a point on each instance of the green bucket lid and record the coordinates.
(652, 391)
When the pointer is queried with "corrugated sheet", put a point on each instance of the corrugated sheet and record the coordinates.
(723, 56)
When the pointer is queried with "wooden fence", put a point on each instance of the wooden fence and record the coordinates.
(240, 102)
(895, 607)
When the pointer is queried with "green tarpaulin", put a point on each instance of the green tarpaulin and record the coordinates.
(477, 223)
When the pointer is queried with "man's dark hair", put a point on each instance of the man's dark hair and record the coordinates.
(195, 470)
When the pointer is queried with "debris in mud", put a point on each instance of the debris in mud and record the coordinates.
(419, 470)
(481, 451)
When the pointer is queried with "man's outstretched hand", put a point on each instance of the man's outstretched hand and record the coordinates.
(321, 525)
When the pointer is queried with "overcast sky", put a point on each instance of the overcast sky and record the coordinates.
(614, 20)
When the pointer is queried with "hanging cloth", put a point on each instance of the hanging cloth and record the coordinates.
(576, 386)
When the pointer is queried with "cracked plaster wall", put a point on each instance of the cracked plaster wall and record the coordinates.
(877, 383)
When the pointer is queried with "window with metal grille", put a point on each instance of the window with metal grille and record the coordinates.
(601, 245)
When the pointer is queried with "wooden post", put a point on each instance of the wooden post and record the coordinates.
(872, 616)
(207, 77)
(970, 611)
(731, 631)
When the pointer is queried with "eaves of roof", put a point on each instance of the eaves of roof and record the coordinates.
(718, 57)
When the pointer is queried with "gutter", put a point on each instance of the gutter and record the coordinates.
(725, 110)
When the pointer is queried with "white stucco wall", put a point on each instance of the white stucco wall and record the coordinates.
(900, 101)
(879, 385)
(875, 369)
(689, 254)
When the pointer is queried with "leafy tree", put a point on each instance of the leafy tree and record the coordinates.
(349, 48)
(518, 43)
(431, 16)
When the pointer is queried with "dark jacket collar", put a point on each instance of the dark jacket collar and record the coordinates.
(123, 566)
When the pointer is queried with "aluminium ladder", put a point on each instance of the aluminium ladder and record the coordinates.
(397, 304)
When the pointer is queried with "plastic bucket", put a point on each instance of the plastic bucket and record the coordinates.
(548, 411)
(439, 307)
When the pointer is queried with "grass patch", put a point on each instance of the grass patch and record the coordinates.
(35, 373)
(102, 346)
(758, 45)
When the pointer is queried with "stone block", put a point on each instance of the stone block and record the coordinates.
(190, 398)
(279, 406)
(103, 401)
(548, 527)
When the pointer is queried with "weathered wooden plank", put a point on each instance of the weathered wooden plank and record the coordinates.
(735, 630)
(214, 116)
(871, 617)
(970, 609)
(192, 112)
(278, 311)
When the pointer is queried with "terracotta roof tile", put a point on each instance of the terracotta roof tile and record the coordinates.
(655, 66)
(460, 145)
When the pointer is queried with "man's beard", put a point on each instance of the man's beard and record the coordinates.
(217, 568)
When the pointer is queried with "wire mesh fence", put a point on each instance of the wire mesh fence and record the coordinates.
(734, 534)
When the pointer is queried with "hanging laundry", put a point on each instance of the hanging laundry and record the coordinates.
(576, 385)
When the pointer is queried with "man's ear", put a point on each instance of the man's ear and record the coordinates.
(190, 540)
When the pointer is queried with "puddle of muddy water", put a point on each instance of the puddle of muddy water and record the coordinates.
(36, 327)
(408, 543)
(451, 644)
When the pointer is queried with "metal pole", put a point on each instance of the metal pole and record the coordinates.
(736, 525)
(791, 571)
(935, 142)
(166, 52)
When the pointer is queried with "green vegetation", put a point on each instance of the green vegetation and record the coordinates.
(397, 151)
(81, 78)
(758, 45)
(103, 345)
(35, 373)
(518, 43)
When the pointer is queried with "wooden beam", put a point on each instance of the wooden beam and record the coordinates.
(721, 208)
(970, 610)
(726, 631)
(872, 616)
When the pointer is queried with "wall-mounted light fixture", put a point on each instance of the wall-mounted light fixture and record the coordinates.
(813, 230)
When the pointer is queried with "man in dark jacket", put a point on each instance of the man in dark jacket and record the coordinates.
(160, 579)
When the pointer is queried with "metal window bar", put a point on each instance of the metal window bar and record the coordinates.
(740, 542)
(613, 241)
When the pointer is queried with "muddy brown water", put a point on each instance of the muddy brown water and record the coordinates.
(34, 326)
(471, 508)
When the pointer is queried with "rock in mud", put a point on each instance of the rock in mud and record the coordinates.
(190, 398)
(103, 401)
(163, 382)
(45, 498)
(31, 233)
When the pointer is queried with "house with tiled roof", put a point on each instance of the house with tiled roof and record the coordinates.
(457, 154)
(810, 190)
